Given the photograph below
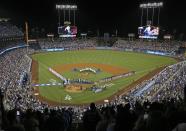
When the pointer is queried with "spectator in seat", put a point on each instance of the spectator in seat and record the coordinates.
(108, 121)
(91, 118)
(13, 124)
(31, 123)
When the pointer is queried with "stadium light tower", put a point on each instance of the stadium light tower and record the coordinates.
(152, 6)
(64, 8)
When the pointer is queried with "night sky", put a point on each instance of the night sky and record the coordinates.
(105, 15)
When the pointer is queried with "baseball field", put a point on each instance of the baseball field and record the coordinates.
(92, 75)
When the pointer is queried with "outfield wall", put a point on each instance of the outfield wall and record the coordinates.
(98, 48)
(137, 50)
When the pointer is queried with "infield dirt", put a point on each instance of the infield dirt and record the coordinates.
(107, 68)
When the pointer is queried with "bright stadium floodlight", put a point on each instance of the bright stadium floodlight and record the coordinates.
(150, 10)
(152, 5)
(4, 19)
(66, 7)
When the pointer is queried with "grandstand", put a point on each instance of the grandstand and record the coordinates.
(165, 86)
(10, 35)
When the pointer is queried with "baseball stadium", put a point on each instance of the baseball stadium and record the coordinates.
(68, 78)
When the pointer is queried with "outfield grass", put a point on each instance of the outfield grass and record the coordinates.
(138, 62)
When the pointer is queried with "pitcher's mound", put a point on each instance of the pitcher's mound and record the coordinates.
(74, 88)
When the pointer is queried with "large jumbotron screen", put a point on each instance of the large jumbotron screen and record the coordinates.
(149, 32)
(67, 31)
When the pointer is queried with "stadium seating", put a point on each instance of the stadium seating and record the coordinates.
(155, 104)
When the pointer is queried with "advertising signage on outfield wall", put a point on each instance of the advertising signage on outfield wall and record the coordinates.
(54, 49)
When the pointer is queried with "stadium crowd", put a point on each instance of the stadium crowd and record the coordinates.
(166, 85)
(13, 65)
(67, 44)
(7, 30)
(165, 46)
(143, 108)
(10, 35)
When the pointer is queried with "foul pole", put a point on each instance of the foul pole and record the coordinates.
(26, 34)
